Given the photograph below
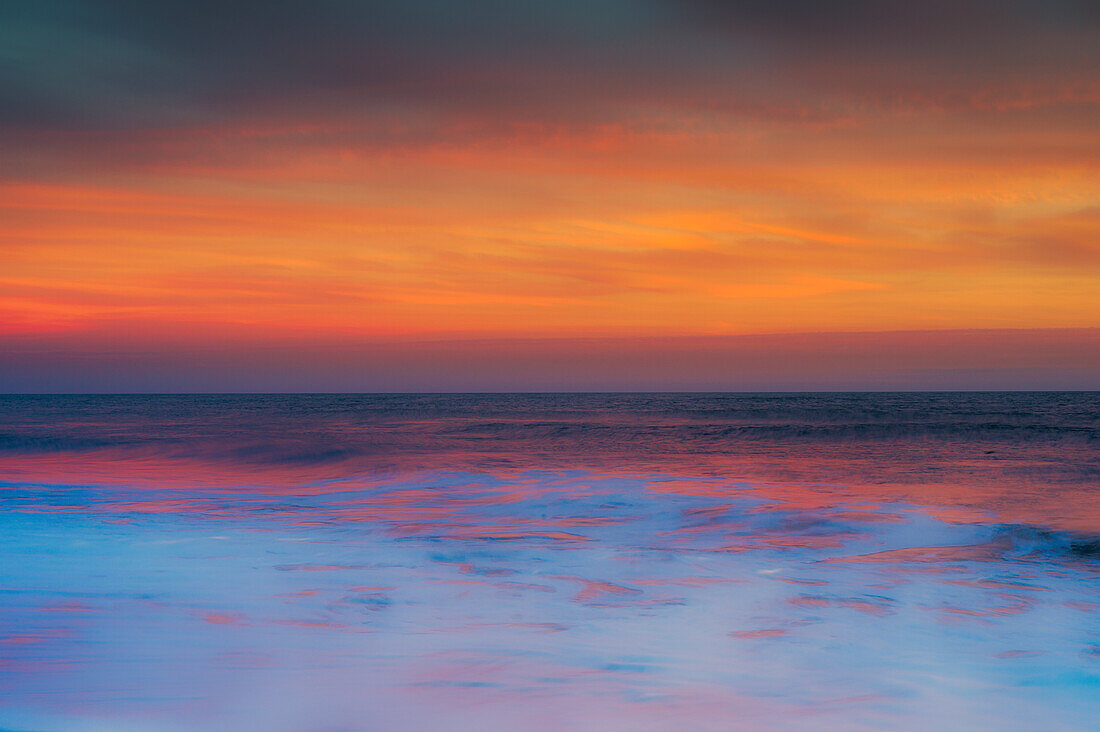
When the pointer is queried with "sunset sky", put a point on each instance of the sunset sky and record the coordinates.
(609, 194)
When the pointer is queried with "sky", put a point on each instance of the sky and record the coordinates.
(597, 195)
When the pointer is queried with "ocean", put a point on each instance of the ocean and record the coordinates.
(839, 561)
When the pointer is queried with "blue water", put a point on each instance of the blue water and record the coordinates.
(629, 561)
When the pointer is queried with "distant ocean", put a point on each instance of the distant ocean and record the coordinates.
(911, 561)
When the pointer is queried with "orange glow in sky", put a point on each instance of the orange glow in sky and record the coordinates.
(631, 170)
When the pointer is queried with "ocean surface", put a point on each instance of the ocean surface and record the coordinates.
(545, 562)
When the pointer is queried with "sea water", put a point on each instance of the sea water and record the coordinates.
(555, 561)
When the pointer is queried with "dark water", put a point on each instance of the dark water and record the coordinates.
(633, 561)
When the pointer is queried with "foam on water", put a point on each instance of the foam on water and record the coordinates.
(878, 561)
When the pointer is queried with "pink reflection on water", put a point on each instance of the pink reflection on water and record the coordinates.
(780, 586)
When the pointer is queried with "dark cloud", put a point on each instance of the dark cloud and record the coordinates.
(841, 23)
(131, 64)
(74, 65)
